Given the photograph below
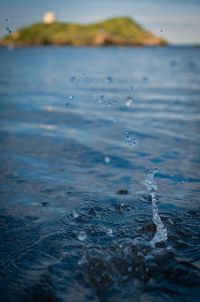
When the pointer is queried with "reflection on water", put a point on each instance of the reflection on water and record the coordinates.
(79, 130)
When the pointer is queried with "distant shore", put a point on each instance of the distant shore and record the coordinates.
(113, 32)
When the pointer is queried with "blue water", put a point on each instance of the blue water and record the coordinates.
(80, 128)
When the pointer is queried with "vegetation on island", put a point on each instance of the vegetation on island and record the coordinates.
(116, 31)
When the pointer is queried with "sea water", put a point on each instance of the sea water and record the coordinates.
(83, 215)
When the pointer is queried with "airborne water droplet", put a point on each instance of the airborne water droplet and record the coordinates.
(101, 98)
(72, 79)
(112, 102)
(129, 101)
(107, 159)
(145, 80)
(82, 235)
(8, 30)
(71, 97)
(109, 79)
(132, 141)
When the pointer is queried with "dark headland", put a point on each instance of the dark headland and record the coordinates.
(121, 31)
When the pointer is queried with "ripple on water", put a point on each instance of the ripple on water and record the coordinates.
(101, 247)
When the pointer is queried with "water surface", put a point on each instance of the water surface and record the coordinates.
(80, 128)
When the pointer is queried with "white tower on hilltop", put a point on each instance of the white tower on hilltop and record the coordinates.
(49, 18)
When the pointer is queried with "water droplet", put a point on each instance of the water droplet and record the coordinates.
(132, 141)
(112, 102)
(109, 231)
(131, 87)
(8, 30)
(72, 79)
(145, 80)
(129, 101)
(109, 79)
(71, 97)
(107, 159)
(82, 235)
(101, 98)
(82, 261)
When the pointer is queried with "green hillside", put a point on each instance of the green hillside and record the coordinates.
(116, 31)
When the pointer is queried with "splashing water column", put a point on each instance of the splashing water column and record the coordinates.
(161, 231)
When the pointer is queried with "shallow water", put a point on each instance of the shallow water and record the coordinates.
(80, 128)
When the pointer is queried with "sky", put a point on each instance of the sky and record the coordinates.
(176, 20)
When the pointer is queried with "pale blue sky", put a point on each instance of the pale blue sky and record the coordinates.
(179, 20)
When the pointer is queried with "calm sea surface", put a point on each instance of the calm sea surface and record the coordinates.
(80, 129)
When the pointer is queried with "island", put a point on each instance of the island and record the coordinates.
(122, 31)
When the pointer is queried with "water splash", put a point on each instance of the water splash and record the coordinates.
(161, 231)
